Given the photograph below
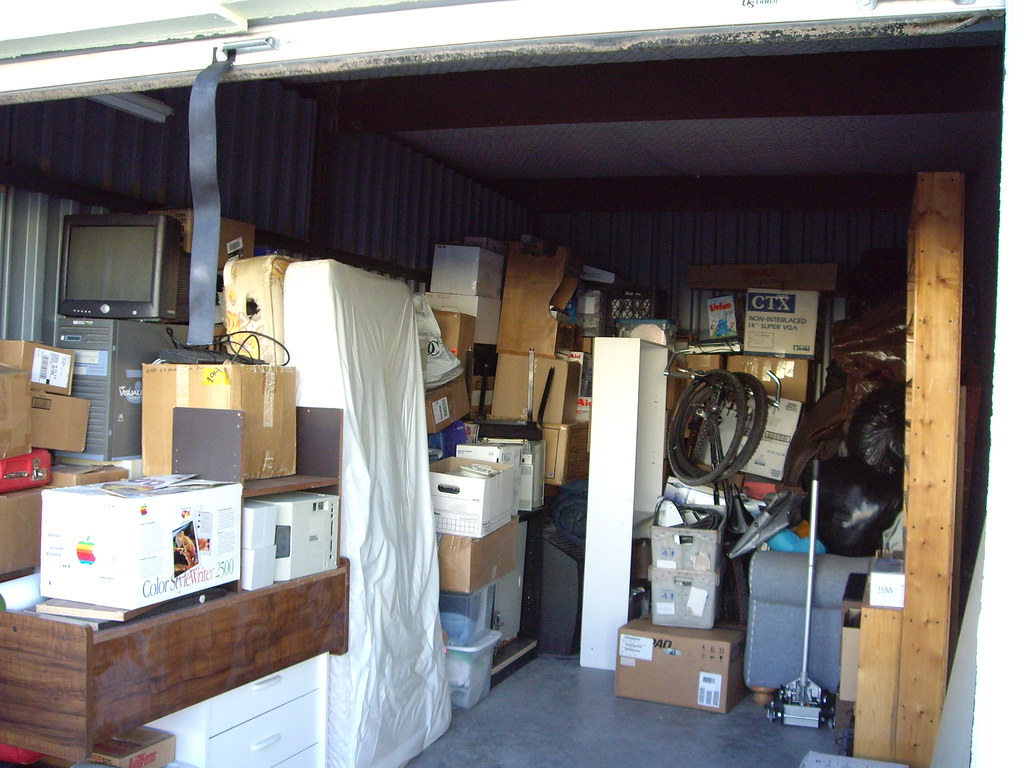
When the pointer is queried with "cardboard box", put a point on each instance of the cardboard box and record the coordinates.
(142, 747)
(70, 475)
(535, 282)
(447, 404)
(59, 423)
(264, 393)
(511, 385)
(677, 384)
(467, 564)
(568, 452)
(794, 374)
(800, 277)
(781, 323)
(129, 552)
(769, 459)
(487, 312)
(468, 505)
(15, 419)
(50, 369)
(237, 238)
(696, 668)
(20, 515)
(458, 331)
(468, 270)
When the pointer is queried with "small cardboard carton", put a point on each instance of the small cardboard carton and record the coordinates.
(447, 404)
(457, 331)
(15, 419)
(794, 374)
(68, 475)
(141, 748)
(568, 452)
(470, 504)
(467, 564)
(237, 238)
(59, 422)
(696, 668)
(19, 530)
(50, 369)
(783, 323)
(141, 548)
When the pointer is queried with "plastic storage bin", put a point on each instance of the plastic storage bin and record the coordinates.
(469, 670)
(465, 617)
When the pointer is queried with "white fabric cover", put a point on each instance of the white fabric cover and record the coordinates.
(352, 336)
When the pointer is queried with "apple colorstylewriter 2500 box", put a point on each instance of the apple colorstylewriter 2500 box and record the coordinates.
(306, 534)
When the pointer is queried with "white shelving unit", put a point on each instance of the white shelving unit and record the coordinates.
(627, 449)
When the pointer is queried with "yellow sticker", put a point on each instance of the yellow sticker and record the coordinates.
(215, 376)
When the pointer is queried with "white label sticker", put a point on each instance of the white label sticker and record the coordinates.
(709, 690)
(440, 410)
(665, 609)
(666, 564)
(625, 661)
(635, 647)
(697, 601)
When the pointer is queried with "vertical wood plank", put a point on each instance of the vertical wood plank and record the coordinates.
(935, 288)
(878, 672)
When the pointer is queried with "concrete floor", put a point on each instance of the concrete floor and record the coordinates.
(552, 713)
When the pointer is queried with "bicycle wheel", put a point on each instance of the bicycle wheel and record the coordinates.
(757, 420)
(695, 450)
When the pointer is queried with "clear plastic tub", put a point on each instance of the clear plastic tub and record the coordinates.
(465, 617)
(469, 670)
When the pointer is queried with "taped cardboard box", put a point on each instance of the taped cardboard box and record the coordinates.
(511, 385)
(686, 667)
(59, 423)
(568, 452)
(467, 564)
(535, 281)
(15, 418)
(237, 238)
(264, 393)
(70, 475)
(486, 311)
(782, 323)
(20, 514)
(794, 374)
(50, 369)
(447, 404)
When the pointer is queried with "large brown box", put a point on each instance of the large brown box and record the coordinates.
(20, 517)
(697, 668)
(264, 393)
(536, 281)
(567, 455)
(237, 238)
(458, 331)
(447, 404)
(15, 421)
(59, 423)
(511, 388)
(466, 564)
(50, 369)
(794, 374)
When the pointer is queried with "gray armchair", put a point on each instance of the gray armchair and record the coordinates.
(775, 621)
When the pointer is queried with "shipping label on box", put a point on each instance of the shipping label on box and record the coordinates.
(780, 323)
(447, 404)
(49, 368)
(686, 667)
(137, 550)
(468, 503)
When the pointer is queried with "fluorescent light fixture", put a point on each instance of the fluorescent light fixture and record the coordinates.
(136, 104)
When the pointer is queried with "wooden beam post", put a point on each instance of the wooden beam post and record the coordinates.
(935, 288)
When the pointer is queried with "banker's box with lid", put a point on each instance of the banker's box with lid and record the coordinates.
(687, 667)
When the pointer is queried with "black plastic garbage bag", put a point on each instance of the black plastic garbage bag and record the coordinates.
(877, 428)
(856, 505)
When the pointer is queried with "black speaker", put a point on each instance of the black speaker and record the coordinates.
(561, 596)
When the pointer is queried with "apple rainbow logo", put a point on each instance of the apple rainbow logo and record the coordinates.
(84, 551)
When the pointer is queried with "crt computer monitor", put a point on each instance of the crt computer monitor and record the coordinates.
(123, 266)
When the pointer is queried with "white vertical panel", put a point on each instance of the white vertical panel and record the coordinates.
(627, 429)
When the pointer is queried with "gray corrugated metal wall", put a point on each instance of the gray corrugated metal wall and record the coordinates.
(389, 202)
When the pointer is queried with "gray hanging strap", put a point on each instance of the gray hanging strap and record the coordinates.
(202, 163)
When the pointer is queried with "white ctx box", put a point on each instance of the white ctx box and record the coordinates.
(781, 323)
(131, 552)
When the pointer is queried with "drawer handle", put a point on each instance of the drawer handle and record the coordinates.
(264, 743)
(266, 682)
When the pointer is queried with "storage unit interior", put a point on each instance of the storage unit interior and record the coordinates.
(645, 154)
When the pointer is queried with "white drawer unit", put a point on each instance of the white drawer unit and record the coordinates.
(278, 721)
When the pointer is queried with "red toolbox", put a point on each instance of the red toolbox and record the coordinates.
(26, 470)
